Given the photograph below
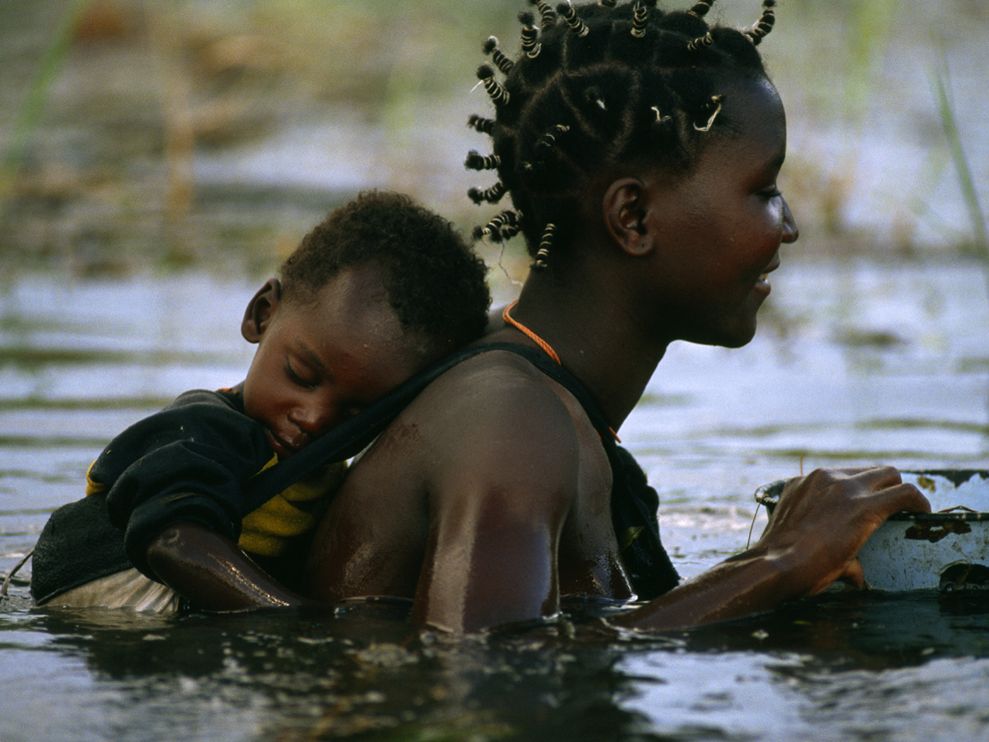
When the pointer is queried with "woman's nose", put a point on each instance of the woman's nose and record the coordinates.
(790, 231)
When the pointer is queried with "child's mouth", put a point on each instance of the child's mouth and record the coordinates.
(280, 446)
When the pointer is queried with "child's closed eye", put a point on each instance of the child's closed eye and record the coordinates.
(299, 378)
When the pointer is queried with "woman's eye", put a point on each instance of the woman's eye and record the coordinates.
(771, 193)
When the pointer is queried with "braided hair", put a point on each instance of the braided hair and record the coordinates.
(598, 85)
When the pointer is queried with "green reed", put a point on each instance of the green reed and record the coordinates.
(30, 112)
(34, 104)
(949, 123)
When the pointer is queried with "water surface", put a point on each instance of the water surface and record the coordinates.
(855, 363)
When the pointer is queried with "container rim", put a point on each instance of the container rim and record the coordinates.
(768, 495)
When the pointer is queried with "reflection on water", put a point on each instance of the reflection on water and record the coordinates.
(844, 666)
(854, 364)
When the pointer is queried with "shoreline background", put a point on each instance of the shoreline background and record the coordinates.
(210, 135)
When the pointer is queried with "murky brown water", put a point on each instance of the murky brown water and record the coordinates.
(292, 106)
(855, 363)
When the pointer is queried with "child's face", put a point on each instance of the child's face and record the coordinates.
(719, 229)
(324, 360)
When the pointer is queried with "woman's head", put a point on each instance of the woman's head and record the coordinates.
(599, 91)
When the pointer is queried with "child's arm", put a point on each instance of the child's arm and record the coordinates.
(175, 489)
(212, 573)
(185, 464)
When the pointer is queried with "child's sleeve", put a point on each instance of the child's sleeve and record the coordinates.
(184, 464)
(292, 513)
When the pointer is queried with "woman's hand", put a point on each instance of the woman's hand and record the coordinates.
(812, 539)
(824, 518)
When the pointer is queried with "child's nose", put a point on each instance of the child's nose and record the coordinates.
(790, 231)
(314, 420)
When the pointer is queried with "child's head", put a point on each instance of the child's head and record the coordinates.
(374, 293)
(597, 92)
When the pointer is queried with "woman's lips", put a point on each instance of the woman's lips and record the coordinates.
(762, 282)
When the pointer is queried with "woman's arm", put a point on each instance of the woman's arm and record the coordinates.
(812, 540)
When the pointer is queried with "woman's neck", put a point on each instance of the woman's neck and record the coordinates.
(596, 337)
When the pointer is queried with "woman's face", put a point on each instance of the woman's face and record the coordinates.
(718, 229)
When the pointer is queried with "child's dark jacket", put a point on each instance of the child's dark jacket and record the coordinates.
(187, 463)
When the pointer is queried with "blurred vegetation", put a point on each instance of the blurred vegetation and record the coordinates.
(966, 181)
(213, 133)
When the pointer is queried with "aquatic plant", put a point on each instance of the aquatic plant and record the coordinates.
(30, 112)
(949, 123)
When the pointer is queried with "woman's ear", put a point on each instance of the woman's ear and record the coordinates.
(260, 310)
(625, 206)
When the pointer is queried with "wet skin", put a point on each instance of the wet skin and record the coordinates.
(320, 359)
(488, 497)
(489, 471)
(720, 228)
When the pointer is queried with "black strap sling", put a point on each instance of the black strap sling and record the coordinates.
(79, 544)
(634, 504)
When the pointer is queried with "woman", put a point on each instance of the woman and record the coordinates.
(641, 151)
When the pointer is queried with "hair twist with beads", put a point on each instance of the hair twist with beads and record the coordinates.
(547, 16)
(603, 85)
(477, 161)
(530, 36)
(481, 124)
(547, 140)
(498, 92)
(502, 227)
(501, 61)
(545, 244)
(573, 20)
(490, 195)
(700, 9)
(705, 40)
(640, 17)
(764, 25)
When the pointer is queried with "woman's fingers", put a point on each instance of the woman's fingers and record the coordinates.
(881, 486)
(853, 574)
(873, 478)
(823, 519)
(904, 497)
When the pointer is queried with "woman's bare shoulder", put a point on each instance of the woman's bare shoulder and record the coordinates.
(490, 414)
(500, 389)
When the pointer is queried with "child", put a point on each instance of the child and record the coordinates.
(379, 290)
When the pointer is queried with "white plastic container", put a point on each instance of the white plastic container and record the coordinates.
(947, 549)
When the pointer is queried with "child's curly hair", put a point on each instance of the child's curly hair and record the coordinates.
(434, 281)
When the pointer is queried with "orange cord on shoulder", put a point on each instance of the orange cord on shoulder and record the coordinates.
(545, 347)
